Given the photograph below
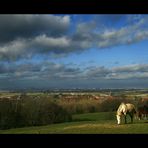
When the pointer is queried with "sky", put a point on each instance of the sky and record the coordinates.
(48, 51)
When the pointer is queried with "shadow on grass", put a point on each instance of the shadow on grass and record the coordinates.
(84, 119)
(138, 122)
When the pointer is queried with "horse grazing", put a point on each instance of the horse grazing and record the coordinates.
(125, 109)
(142, 112)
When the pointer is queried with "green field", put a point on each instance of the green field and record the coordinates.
(91, 123)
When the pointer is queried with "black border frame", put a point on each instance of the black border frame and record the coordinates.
(74, 7)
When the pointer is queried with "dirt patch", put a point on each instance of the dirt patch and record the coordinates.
(109, 126)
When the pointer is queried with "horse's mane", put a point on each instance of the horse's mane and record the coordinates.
(121, 107)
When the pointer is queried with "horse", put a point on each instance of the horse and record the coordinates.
(142, 111)
(125, 109)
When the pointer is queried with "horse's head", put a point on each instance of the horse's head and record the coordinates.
(122, 110)
(118, 119)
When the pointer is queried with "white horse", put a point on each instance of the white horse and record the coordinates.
(125, 109)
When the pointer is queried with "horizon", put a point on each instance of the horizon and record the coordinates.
(73, 51)
(74, 90)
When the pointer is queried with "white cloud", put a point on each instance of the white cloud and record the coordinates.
(45, 41)
(46, 34)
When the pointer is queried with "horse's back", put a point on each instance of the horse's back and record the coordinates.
(131, 107)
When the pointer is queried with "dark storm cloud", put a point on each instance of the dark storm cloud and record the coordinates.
(22, 26)
(21, 36)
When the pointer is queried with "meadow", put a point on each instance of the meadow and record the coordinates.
(89, 123)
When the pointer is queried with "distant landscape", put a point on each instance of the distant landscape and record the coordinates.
(69, 111)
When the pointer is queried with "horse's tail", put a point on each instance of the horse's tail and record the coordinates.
(135, 111)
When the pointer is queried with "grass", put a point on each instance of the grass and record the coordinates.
(90, 123)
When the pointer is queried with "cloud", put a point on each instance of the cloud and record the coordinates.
(137, 71)
(51, 71)
(46, 74)
(23, 26)
(85, 27)
(27, 48)
(111, 36)
(132, 68)
(25, 36)
(97, 72)
(123, 36)
(42, 70)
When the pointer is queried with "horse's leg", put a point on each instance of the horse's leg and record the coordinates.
(125, 119)
(140, 116)
(145, 116)
(131, 118)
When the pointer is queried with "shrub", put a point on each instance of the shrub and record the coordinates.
(80, 106)
(109, 105)
(9, 116)
(50, 112)
(113, 104)
(30, 111)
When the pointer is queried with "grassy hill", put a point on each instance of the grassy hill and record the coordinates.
(90, 123)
